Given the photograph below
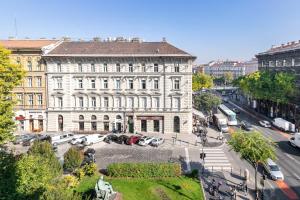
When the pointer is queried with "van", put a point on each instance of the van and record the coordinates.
(92, 139)
(61, 138)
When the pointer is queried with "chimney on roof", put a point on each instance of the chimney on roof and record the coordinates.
(164, 39)
(96, 39)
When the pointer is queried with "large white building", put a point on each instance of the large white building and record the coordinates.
(128, 86)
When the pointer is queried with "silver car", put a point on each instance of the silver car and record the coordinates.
(157, 141)
(273, 170)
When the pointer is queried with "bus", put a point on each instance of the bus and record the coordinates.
(231, 116)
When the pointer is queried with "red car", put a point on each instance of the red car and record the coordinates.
(133, 140)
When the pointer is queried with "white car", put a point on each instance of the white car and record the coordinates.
(145, 141)
(265, 123)
(157, 141)
(77, 140)
(94, 138)
(273, 170)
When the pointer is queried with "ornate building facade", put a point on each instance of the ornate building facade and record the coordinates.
(126, 86)
(30, 111)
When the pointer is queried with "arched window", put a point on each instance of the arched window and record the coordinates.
(93, 123)
(106, 117)
(176, 124)
(118, 117)
(60, 123)
(81, 123)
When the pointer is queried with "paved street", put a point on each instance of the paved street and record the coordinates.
(288, 158)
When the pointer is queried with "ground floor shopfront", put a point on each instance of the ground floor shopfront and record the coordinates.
(30, 120)
(124, 122)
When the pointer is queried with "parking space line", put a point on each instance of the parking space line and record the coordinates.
(187, 160)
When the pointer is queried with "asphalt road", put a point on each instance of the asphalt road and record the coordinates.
(288, 156)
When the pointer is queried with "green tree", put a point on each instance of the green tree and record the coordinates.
(34, 175)
(207, 102)
(254, 147)
(72, 159)
(202, 81)
(45, 150)
(228, 77)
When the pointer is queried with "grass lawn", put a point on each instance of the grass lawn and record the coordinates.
(181, 188)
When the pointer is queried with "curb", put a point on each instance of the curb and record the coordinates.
(202, 187)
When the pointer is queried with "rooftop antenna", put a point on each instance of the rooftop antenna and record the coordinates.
(16, 28)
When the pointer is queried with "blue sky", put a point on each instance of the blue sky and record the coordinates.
(208, 29)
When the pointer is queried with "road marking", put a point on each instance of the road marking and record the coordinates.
(292, 158)
(273, 128)
(296, 175)
(287, 190)
(187, 160)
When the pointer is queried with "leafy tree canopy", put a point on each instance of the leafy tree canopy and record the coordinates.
(202, 81)
(207, 101)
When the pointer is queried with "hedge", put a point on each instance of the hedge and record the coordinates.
(144, 170)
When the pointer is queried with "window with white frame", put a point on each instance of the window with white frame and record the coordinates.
(143, 84)
(156, 102)
(155, 84)
(30, 100)
(29, 65)
(93, 101)
(155, 68)
(118, 68)
(80, 83)
(105, 67)
(176, 84)
(130, 102)
(93, 68)
(130, 84)
(106, 102)
(60, 102)
(118, 84)
(117, 102)
(59, 83)
(176, 103)
(176, 69)
(80, 102)
(105, 83)
(40, 99)
(143, 67)
(58, 67)
(80, 68)
(130, 69)
(39, 81)
(20, 99)
(29, 80)
(93, 83)
(39, 66)
(143, 102)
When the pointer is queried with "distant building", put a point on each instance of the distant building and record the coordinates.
(284, 58)
(217, 69)
(198, 69)
(30, 112)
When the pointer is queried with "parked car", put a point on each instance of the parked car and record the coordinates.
(133, 140)
(157, 141)
(19, 139)
(29, 140)
(77, 140)
(122, 139)
(273, 170)
(225, 99)
(246, 126)
(265, 123)
(145, 141)
(236, 110)
(111, 137)
(92, 139)
(61, 138)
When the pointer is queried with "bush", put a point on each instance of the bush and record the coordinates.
(70, 181)
(194, 173)
(144, 170)
(58, 192)
(45, 150)
(80, 173)
(90, 169)
(72, 159)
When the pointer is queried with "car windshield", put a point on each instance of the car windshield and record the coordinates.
(223, 126)
(274, 168)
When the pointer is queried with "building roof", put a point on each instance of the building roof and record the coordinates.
(26, 44)
(116, 48)
(290, 46)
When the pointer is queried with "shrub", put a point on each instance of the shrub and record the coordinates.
(194, 173)
(72, 159)
(144, 170)
(90, 169)
(80, 173)
(70, 181)
(59, 192)
(45, 150)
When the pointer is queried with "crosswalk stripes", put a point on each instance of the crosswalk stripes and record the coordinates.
(216, 159)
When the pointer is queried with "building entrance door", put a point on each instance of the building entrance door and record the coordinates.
(130, 124)
(119, 127)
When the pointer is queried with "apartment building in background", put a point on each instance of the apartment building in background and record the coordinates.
(30, 112)
(120, 85)
(284, 58)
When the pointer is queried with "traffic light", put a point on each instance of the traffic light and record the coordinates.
(202, 155)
